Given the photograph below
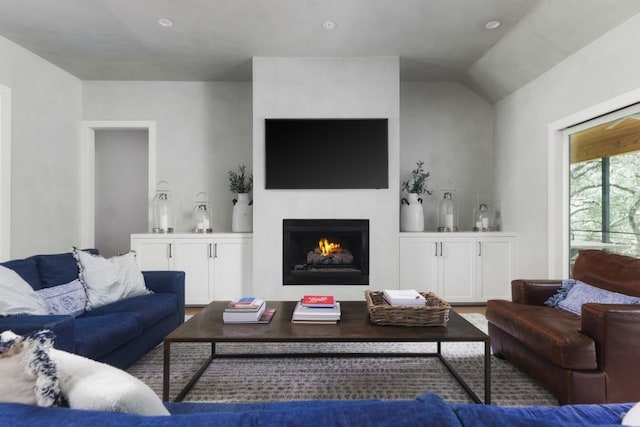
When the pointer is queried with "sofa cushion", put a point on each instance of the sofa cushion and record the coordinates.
(56, 269)
(551, 333)
(98, 335)
(69, 298)
(150, 308)
(27, 269)
(613, 272)
(568, 415)
(17, 297)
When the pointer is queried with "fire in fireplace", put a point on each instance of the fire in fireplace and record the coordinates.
(325, 251)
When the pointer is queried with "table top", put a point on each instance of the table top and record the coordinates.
(354, 326)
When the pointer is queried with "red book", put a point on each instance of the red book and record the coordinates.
(318, 301)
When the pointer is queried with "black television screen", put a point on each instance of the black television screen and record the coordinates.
(326, 153)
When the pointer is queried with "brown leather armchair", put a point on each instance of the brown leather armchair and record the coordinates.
(593, 358)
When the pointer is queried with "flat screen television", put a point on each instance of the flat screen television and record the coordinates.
(326, 154)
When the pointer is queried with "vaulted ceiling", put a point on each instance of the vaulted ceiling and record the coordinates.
(216, 39)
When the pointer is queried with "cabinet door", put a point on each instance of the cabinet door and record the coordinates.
(457, 269)
(154, 254)
(195, 258)
(495, 267)
(418, 264)
(233, 273)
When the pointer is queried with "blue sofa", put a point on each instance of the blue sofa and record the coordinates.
(119, 333)
(426, 410)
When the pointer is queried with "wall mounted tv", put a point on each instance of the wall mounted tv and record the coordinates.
(326, 153)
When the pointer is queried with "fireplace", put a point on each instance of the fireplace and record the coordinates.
(325, 252)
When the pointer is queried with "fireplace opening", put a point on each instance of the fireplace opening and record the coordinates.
(325, 251)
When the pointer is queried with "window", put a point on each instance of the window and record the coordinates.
(604, 187)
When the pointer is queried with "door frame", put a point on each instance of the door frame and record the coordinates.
(5, 172)
(88, 173)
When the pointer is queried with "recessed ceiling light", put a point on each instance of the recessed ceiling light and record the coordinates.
(329, 25)
(492, 25)
(168, 23)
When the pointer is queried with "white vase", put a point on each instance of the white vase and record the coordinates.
(411, 214)
(242, 216)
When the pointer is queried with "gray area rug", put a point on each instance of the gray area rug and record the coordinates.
(279, 379)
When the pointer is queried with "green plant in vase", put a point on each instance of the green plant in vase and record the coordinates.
(239, 182)
(417, 184)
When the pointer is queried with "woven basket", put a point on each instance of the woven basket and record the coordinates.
(434, 313)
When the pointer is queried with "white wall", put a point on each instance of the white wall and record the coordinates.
(325, 87)
(601, 71)
(450, 128)
(46, 112)
(203, 131)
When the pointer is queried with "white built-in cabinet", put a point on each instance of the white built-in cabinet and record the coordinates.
(458, 267)
(217, 266)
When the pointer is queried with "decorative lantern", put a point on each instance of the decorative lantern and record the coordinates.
(482, 216)
(202, 214)
(162, 209)
(447, 212)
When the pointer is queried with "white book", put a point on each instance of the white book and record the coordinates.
(250, 316)
(316, 313)
(409, 297)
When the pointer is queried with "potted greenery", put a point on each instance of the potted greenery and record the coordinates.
(418, 182)
(241, 184)
(411, 212)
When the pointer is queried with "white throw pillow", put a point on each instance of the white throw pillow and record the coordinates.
(109, 280)
(28, 374)
(632, 418)
(87, 384)
(17, 296)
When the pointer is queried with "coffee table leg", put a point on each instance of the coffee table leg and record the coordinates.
(197, 375)
(487, 373)
(166, 369)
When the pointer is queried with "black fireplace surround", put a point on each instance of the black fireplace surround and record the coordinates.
(302, 264)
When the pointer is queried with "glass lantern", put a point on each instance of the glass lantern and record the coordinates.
(482, 216)
(162, 209)
(202, 214)
(447, 212)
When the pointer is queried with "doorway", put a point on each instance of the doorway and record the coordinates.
(121, 186)
(118, 172)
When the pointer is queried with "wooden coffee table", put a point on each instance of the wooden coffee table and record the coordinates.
(354, 326)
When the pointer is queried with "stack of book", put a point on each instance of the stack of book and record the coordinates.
(409, 297)
(319, 309)
(247, 310)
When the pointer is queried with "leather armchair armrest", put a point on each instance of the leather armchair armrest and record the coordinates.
(533, 292)
(615, 329)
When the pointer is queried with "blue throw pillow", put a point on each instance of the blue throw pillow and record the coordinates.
(555, 299)
(70, 298)
(582, 293)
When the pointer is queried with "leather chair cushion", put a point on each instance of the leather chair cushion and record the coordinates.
(550, 332)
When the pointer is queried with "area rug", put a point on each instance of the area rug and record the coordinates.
(255, 380)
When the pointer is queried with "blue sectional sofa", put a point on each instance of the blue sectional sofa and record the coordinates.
(426, 410)
(119, 333)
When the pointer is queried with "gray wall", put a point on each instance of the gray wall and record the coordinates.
(203, 131)
(601, 71)
(121, 188)
(46, 113)
(450, 128)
